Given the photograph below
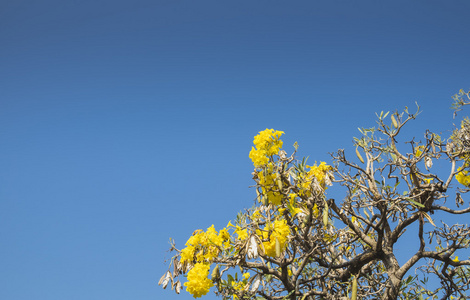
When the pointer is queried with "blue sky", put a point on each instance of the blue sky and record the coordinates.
(125, 123)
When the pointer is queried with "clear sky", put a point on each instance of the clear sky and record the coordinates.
(125, 123)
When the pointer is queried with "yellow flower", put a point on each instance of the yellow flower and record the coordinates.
(419, 150)
(292, 197)
(320, 173)
(317, 179)
(258, 157)
(280, 231)
(298, 210)
(316, 211)
(205, 246)
(198, 283)
(269, 186)
(463, 177)
(224, 235)
(256, 215)
(267, 144)
(294, 210)
(240, 285)
(242, 233)
(187, 254)
(329, 237)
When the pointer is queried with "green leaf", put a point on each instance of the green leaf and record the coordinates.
(409, 279)
(415, 203)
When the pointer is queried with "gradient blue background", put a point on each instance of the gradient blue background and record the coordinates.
(125, 123)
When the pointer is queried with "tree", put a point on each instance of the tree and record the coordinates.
(296, 243)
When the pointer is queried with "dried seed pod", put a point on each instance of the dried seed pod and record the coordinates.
(165, 279)
(458, 200)
(252, 251)
(428, 162)
(328, 178)
(178, 287)
(256, 284)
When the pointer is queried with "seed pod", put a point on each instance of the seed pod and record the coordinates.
(176, 267)
(215, 274)
(256, 284)
(328, 177)
(165, 280)
(306, 219)
(258, 196)
(252, 251)
(359, 155)
(394, 121)
(162, 278)
(278, 248)
(429, 218)
(178, 287)
(279, 183)
(354, 288)
(265, 201)
(325, 215)
(428, 162)
(458, 200)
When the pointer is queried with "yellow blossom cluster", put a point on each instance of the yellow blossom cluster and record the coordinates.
(419, 150)
(240, 285)
(463, 177)
(242, 234)
(278, 230)
(269, 186)
(293, 206)
(256, 215)
(198, 283)
(317, 177)
(205, 246)
(267, 144)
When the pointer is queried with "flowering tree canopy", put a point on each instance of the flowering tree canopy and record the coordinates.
(297, 243)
